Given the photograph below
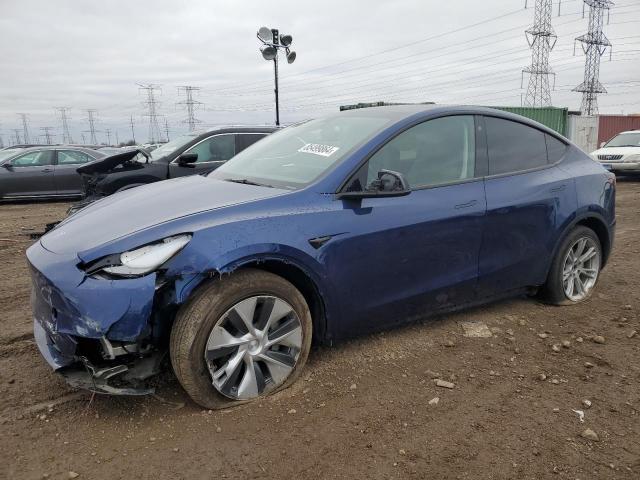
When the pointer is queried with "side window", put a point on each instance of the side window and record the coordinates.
(34, 159)
(247, 139)
(215, 149)
(513, 147)
(72, 157)
(555, 148)
(431, 153)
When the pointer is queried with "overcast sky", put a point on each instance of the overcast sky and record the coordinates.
(90, 55)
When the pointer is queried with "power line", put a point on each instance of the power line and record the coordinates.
(66, 135)
(190, 105)
(92, 126)
(133, 132)
(541, 38)
(16, 132)
(25, 126)
(448, 73)
(152, 111)
(392, 49)
(389, 63)
(594, 45)
(47, 134)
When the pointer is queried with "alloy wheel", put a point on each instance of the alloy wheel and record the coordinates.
(253, 347)
(580, 269)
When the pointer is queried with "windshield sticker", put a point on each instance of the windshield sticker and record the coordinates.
(318, 149)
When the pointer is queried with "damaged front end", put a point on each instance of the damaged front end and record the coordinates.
(106, 335)
(100, 366)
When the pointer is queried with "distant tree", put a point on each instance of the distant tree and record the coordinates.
(128, 143)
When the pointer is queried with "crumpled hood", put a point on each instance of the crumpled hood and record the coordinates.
(106, 164)
(136, 209)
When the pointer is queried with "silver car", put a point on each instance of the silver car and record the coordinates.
(621, 154)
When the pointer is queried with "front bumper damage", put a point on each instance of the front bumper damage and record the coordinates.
(107, 336)
(118, 377)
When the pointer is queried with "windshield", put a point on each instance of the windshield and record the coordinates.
(625, 140)
(297, 155)
(172, 146)
(7, 153)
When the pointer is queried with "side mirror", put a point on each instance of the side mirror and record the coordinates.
(388, 184)
(187, 160)
(602, 144)
(7, 165)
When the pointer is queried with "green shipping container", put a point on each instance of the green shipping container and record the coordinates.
(552, 117)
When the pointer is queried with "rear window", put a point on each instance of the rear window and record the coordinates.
(513, 146)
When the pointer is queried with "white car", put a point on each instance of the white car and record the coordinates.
(621, 154)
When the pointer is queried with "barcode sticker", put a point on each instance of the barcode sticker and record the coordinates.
(318, 149)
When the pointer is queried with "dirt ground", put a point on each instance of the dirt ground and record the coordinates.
(364, 409)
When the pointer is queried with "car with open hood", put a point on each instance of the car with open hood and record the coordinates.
(189, 154)
(335, 227)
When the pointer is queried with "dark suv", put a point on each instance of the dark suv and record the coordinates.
(193, 153)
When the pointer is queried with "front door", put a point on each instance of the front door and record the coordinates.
(405, 257)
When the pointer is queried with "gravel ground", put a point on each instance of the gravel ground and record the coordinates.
(369, 408)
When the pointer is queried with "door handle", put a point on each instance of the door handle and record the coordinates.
(47, 170)
(467, 204)
(559, 188)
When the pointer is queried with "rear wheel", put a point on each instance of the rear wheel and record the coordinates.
(240, 338)
(575, 269)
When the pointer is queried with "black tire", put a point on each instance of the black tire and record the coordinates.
(553, 291)
(197, 317)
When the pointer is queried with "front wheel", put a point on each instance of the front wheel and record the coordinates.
(575, 269)
(239, 338)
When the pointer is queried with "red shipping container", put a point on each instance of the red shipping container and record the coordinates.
(611, 125)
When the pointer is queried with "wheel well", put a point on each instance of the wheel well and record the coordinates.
(600, 229)
(299, 279)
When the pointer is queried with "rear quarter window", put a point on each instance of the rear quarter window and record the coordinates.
(555, 149)
(513, 146)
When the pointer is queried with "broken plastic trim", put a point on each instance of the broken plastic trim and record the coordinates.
(110, 352)
(102, 380)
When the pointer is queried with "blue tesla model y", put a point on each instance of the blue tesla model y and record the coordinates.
(335, 227)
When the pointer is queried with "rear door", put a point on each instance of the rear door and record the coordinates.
(29, 175)
(212, 152)
(67, 180)
(528, 199)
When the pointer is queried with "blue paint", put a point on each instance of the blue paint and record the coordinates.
(389, 259)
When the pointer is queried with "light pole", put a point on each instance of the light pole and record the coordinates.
(272, 42)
